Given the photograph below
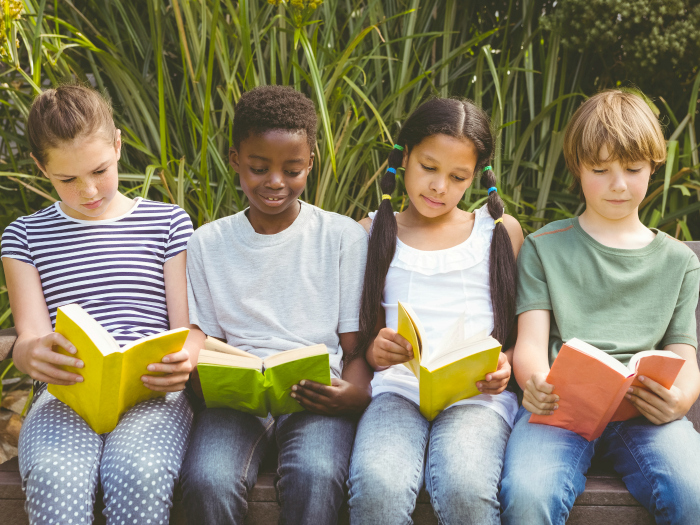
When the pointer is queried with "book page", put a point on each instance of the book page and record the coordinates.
(470, 347)
(101, 338)
(599, 355)
(210, 357)
(632, 365)
(219, 346)
(292, 355)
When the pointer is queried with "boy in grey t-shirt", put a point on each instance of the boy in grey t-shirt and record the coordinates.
(279, 275)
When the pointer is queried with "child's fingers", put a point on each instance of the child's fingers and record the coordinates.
(492, 387)
(56, 375)
(499, 375)
(165, 381)
(177, 357)
(656, 388)
(56, 339)
(50, 380)
(181, 367)
(54, 358)
(311, 406)
(394, 356)
(306, 393)
(544, 403)
(402, 342)
(649, 411)
(305, 385)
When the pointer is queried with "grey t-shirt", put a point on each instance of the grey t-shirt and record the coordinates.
(269, 293)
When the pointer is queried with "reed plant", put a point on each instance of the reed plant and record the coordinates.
(174, 70)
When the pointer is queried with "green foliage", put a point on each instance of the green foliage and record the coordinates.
(635, 39)
(175, 69)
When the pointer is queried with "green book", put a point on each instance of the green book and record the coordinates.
(233, 378)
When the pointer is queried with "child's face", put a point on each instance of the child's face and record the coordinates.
(612, 189)
(273, 167)
(85, 175)
(438, 171)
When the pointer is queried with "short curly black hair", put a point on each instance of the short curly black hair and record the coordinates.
(265, 108)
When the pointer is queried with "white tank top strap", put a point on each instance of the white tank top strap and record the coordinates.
(461, 257)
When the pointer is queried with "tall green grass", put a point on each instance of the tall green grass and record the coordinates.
(175, 69)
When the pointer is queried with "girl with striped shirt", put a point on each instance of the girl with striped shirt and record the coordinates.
(123, 260)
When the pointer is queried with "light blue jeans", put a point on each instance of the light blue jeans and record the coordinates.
(545, 469)
(227, 447)
(459, 456)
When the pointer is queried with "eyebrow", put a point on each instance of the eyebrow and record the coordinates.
(260, 157)
(98, 168)
(465, 170)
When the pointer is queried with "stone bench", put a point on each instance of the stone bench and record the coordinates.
(605, 500)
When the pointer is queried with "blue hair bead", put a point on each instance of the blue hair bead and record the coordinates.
(492, 189)
(391, 170)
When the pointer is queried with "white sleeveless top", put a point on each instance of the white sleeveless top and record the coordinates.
(440, 285)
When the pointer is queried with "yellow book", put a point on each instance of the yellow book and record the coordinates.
(112, 374)
(450, 372)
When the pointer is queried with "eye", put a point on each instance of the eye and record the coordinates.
(599, 170)
(634, 170)
(459, 179)
(67, 181)
(427, 168)
(258, 171)
(100, 172)
(293, 173)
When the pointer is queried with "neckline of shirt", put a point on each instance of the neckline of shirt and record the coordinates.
(248, 233)
(476, 230)
(137, 201)
(624, 252)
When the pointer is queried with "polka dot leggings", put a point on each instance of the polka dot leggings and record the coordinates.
(61, 461)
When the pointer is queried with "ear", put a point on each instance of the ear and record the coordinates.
(118, 144)
(404, 161)
(38, 165)
(233, 158)
(311, 161)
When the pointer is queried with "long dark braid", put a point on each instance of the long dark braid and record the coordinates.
(456, 118)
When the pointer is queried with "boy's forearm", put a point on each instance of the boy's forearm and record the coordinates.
(528, 359)
(688, 380)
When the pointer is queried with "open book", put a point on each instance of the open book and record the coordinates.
(450, 372)
(233, 378)
(112, 374)
(592, 384)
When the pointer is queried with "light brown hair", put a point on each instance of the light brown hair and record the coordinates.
(620, 121)
(66, 113)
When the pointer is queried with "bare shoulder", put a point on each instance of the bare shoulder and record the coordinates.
(366, 223)
(515, 232)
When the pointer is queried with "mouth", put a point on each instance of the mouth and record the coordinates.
(616, 202)
(92, 205)
(432, 202)
(273, 200)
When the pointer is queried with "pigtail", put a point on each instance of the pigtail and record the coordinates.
(380, 252)
(502, 268)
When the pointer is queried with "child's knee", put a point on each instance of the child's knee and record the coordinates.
(530, 498)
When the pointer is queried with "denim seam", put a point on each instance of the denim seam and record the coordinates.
(244, 475)
(572, 472)
(96, 466)
(654, 491)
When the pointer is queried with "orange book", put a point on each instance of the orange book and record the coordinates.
(591, 386)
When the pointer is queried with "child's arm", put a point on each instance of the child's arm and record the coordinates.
(349, 395)
(663, 405)
(177, 366)
(531, 364)
(33, 351)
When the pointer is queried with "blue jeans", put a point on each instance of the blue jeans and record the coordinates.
(459, 456)
(227, 447)
(545, 469)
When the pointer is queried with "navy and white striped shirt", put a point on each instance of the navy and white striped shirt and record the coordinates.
(112, 268)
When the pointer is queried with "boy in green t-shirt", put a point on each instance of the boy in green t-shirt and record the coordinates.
(608, 280)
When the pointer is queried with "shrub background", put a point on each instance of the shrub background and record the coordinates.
(175, 68)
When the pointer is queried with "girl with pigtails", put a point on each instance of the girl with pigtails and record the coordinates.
(443, 262)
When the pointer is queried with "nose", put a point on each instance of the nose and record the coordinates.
(439, 184)
(617, 182)
(275, 180)
(88, 188)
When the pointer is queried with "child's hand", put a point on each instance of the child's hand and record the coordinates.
(661, 405)
(41, 362)
(177, 368)
(389, 349)
(342, 397)
(538, 397)
(496, 382)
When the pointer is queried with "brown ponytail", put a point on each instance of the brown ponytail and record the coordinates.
(456, 118)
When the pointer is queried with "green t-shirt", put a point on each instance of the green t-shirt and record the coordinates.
(621, 301)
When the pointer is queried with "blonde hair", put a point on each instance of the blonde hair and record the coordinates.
(66, 113)
(620, 121)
